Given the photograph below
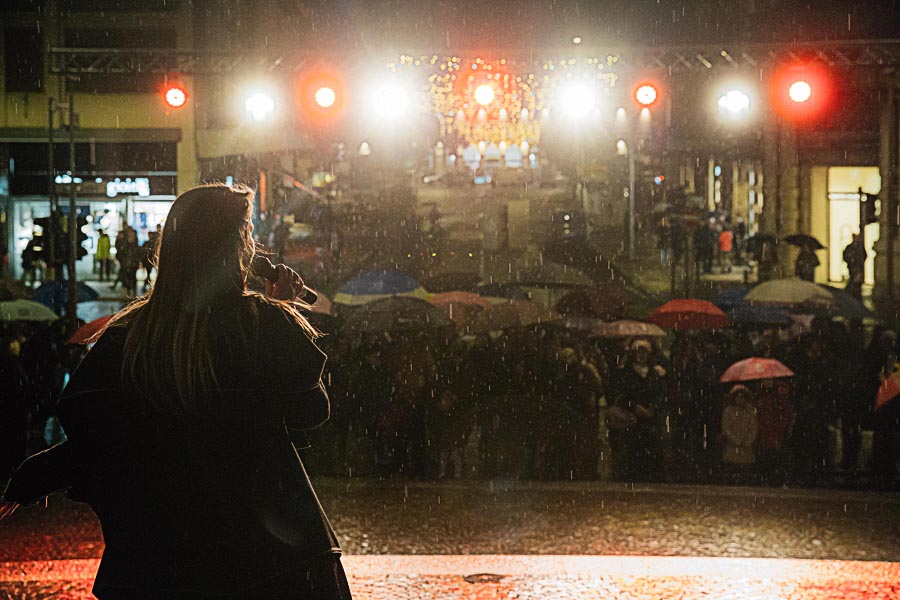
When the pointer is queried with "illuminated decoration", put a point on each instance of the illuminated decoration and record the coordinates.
(365, 149)
(175, 96)
(646, 94)
(800, 91)
(325, 97)
(259, 106)
(576, 40)
(523, 93)
(139, 186)
(734, 102)
(484, 94)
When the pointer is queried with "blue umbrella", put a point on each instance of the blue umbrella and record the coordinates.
(745, 314)
(55, 294)
(730, 298)
(375, 285)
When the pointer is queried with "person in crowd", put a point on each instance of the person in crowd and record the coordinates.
(148, 252)
(664, 241)
(726, 248)
(104, 255)
(807, 261)
(705, 240)
(740, 240)
(451, 417)
(638, 398)
(740, 432)
(32, 263)
(178, 426)
(119, 243)
(881, 363)
(776, 418)
(855, 256)
(369, 399)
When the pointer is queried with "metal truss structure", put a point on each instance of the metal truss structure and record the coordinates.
(877, 54)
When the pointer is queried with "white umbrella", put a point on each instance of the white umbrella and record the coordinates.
(26, 310)
(791, 292)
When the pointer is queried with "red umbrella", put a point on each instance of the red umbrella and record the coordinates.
(888, 390)
(754, 369)
(687, 313)
(86, 333)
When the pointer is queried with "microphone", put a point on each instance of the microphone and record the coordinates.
(261, 266)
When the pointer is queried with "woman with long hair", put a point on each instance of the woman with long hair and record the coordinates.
(179, 420)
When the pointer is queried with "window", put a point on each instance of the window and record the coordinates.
(24, 51)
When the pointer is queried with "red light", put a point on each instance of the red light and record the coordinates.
(646, 94)
(802, 93)
(320, 95)
(175, 96)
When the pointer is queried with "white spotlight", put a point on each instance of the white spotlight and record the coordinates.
(260, 106)
(391, 102)
(734, 102)
(578, 100)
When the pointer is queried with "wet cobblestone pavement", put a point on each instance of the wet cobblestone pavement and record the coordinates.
(594, 541)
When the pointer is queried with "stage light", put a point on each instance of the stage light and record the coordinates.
(646, 94)
(484, 94)
(325, 97)
(259, 106)
(175, 96)
(800, 91)
(391, 101)
(734, 102)
(577, 100)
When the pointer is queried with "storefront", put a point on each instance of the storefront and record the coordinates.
(835, 217)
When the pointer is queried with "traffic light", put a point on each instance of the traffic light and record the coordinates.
(868, 209)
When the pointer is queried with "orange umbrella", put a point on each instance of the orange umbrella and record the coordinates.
(87, 333)
(888, 390)
(687, 313)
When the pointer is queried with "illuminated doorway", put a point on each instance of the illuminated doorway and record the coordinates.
(843, 217)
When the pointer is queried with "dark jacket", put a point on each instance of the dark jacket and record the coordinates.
(214, 501)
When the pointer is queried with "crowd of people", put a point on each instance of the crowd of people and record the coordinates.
(547, 403)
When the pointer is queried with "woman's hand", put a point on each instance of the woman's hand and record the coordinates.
(287, 286)
(7, 508)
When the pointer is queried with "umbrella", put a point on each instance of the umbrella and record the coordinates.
(588, 325)
(89, 311)
(802, 239)
(746, 314)
(628, 329)
(26, 310)
(517, 313)
(395, 314)
(604, 302)
(459, 298)
(552, 273)
(889, 389)
(791, 292)
(753, 369)
(687, 313)
(845, 305)
(55, 294)
(448, 282)
(87, 333)
(501, 292)
(376, 285)
(731, 298)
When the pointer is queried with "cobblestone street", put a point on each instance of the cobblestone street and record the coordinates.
(510, 540)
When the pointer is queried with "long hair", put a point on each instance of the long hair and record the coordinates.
(203, 258)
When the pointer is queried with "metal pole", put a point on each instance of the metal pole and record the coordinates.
(631, 152)
(50, 234)
(72, 306)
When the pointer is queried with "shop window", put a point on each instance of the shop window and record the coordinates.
(24, 52)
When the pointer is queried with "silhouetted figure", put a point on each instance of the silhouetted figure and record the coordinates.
(179, 421)
(807, 261)
(855, 256)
